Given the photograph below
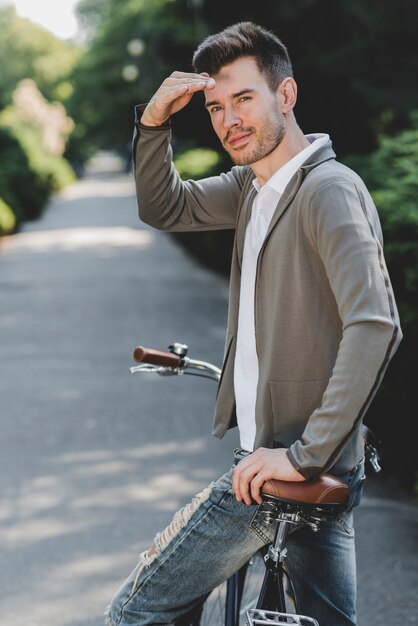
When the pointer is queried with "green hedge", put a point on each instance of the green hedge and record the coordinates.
(7, 218)
(391, 174)
(19, 184)
(52, 171)
(211, 248)
(28, 175)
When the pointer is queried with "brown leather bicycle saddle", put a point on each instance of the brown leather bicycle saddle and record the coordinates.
(326, 489)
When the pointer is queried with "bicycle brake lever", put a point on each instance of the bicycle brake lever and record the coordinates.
(155, 369)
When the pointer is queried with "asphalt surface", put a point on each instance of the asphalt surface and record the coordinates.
(94, 460)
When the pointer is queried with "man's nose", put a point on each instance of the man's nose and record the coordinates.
(231, 118)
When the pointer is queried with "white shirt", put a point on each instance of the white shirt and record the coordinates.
(246, 361)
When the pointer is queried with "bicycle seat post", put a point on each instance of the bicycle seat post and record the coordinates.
(277, 550)
(272, 594)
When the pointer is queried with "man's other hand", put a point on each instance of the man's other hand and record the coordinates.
(253, 471)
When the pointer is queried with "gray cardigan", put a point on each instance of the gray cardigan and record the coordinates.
(325, 315)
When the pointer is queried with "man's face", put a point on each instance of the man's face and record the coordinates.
(245, 113)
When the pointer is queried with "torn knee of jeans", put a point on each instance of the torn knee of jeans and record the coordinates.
(163, 539)
(145, 560)
(152, 551)
(108, 619)
(181, 518)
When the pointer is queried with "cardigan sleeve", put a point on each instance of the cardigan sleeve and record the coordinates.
(345, 228)
(168, 203)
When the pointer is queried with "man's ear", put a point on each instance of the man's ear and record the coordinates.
(287, 91)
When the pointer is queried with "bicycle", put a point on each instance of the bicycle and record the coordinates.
(261, 592)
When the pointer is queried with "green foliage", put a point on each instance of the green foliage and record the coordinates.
(29, 175)
(32, 52)
(19, 186)
(392, 176)
(353, 62)
(136, 44)
(211, 248)
(52, 171)
(32, 139)
(7, 218)
(197, 163)
(90, 15)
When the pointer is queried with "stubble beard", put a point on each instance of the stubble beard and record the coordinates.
(270, 136)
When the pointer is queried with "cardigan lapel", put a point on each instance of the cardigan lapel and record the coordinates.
(243, 219)
(322, 155)
(285, 200)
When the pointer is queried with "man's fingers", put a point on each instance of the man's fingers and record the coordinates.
(173, 90)
(255, 486)
(241, 482)
(173, 95)
(236, 478)
(168, 100)
(192, 85)
(251, 481)
(186, 78)
(252, 472)
(188, 75)
(236, 482)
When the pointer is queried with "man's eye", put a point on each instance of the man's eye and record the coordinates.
(244, 98)
(215, 109)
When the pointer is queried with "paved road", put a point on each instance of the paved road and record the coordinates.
(93, 460)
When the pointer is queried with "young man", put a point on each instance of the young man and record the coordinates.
(312, 325)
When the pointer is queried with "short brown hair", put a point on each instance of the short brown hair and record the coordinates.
(245, 39)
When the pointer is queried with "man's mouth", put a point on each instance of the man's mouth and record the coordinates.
(238, 140)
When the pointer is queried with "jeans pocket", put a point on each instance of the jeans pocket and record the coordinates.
(261, 527)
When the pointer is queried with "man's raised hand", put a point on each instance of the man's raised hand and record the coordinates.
(174, 93)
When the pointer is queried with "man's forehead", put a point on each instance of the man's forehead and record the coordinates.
(241, 75)
(240, 67)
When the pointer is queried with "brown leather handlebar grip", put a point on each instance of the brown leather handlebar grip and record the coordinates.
(156, 357)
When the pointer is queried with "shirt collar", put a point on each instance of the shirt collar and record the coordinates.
(280, 179)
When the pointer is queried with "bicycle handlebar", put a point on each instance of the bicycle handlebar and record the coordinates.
(156, 357)
(172, 363)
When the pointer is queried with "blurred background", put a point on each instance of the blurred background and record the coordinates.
(73, 71)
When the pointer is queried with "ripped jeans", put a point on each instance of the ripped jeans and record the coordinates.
(214, 535)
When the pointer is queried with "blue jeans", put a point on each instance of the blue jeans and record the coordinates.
(214, 535)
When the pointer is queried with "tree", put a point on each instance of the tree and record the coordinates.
(32, 52)
(391, 174)
(136, 44)
(33, 132)
(353, 61)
